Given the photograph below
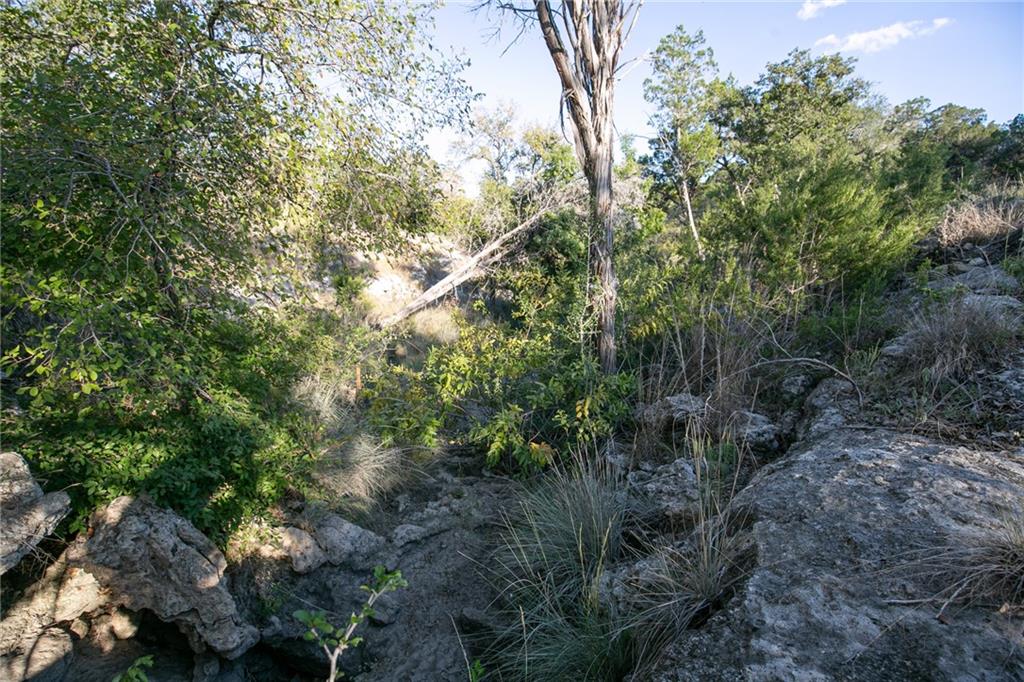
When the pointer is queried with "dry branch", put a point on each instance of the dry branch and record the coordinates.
(475, 267)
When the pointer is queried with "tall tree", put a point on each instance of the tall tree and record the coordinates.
(495, 142)
(682, 87)
(585, 40)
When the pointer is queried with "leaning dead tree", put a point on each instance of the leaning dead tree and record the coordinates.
(585, 39)
(473, 268)
(543, 200)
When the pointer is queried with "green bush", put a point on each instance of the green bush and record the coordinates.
(217, 439)
(519, 387)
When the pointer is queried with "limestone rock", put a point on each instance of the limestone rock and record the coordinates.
(835, 593)
(344, 542)
(671, 489)
(302, 550)
(47, 660)
(797, 385)
(675, 409)
(28, 514)
(29, 642)
(151, 558)
(827, 408)
(755, 431)
(990, 279)
(1003, 305)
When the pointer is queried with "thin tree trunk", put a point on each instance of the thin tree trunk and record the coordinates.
(602, 219)
(689, 215)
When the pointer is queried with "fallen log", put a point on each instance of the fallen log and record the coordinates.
(474, 267)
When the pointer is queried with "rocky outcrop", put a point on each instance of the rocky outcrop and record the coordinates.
(981, 279)
(136, 558)
(838, 591)
(670, 491)
(673, 410)
(28, 515)
(754, 431)
(150, 558)
(440, 534)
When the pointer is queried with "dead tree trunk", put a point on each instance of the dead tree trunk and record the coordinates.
(585, 51)
(602, 246)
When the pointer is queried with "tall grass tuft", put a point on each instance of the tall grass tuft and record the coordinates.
(556, 547)
(950, 341)
(584, 597)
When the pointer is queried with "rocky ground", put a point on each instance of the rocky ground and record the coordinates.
(851, 533)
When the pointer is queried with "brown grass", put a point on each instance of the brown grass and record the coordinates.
(985, 218)
(948, 342)
(981, 568)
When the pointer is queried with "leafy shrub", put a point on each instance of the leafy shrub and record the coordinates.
(521, 387)
(217, 438)
(135, 672)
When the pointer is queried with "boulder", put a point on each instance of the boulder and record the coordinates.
(828, 407)
(151, 558)
(302, 550)
(345, 543)
(990, 279)
(671, 490)
(797, 385)
(32, 636)
(674, 410)
(755, 431)
(28, 514)
(838, 590)
(1003, 305)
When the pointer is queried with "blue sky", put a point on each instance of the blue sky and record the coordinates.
(968, 53)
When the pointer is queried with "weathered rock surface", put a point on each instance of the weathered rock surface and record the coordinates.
(674, 410)
(835, 594)
(828, 407)
(28, 515)
(346, 543)
(150, 558)
(299, 548)
(439, 536)
(1003, 305)
(990, 279)
(671, 489)
(755, 431)
(31, 637)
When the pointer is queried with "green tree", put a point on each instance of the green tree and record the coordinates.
(687, 144)
(169, 162)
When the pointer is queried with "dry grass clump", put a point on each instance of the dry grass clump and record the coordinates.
(711, 359)
(362, 471)
(683, 584)
(585, 597)
(984, 568)
(948, 342)
(325, 397)
(983, 219)
(436, 324)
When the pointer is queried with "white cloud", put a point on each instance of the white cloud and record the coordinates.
(882, 38)
(812, 8)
